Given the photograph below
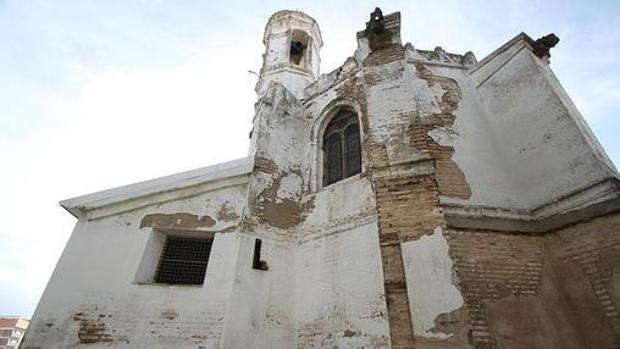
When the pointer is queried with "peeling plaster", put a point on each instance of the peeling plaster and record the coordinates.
(227, 212)
(428, 270)
(280, 212)
(364, 261)
(289, 188)
(176, 220)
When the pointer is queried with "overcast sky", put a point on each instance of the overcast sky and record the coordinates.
(98, 94)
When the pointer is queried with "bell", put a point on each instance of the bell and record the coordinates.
(297, 48)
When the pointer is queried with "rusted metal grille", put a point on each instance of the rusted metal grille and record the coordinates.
(183, 261)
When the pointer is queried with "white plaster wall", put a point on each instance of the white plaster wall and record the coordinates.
(95, 277)
(343, 203)
(430, 286)
(544, 151)
(277, 50)
(293, 79)
(280, 129)
(475, 146)
(340, 301)
(393, 103)
(261, 308)
(315, 59)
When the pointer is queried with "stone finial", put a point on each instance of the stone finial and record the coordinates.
(469, 59)
(378, 36)
(440, 53)
(544, 44)
(376, 24)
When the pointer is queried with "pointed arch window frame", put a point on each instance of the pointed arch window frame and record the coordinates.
(320, 125)
(341, 147)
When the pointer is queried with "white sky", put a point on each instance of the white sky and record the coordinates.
(98, 94)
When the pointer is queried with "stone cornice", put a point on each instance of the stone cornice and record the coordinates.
(592, 201)
(174, 187)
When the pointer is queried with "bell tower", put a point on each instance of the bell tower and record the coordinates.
(292, 40)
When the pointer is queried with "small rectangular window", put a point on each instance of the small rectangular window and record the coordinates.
(257, 263)
(183, 261)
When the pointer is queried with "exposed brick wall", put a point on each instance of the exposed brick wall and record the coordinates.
(92, 330)
(595, 247)
(520, 290)
(491, 266)
(406, 210)
(449, 176)
(559, 289)
(265, 165)
(407, 207)
(399, 315)
(389, 54)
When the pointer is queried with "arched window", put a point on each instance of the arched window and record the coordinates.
(341, 148)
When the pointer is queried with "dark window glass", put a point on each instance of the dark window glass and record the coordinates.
(353, 159)
(341, 146)
(334, 158)
(183, 261)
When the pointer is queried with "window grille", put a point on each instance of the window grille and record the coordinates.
(183, 261)
(341, 147)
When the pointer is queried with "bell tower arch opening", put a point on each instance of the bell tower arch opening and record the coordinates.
(292, 44)
(299, 53)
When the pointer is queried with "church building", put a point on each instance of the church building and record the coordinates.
(408, 199)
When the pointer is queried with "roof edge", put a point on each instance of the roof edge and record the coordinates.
(519, 37)
(79, 205)
(595, 200)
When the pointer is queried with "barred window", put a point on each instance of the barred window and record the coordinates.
(183, 261)
(341, 148)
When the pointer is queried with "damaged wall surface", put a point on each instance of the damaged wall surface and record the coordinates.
(485, 215)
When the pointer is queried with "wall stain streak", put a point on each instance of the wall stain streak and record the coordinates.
(176, 220)
(92, 330)
(227, 212)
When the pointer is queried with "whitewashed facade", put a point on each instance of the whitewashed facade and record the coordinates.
(485, 151)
